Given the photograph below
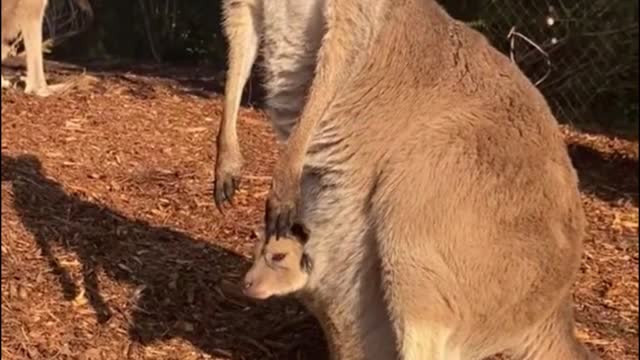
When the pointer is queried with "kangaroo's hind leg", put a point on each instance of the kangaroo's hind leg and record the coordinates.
(10, 30)
(420, 312)
(5, 51)
(32, 14)
(553, 339)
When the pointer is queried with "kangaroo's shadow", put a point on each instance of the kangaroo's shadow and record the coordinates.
(180, 281)
(611, 178)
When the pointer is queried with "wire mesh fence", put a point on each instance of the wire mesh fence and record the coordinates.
(582, 54)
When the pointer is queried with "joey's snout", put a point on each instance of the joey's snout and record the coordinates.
(248, 288)
(246, 284)
(251, 286)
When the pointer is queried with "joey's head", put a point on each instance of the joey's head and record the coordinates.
(280, 266)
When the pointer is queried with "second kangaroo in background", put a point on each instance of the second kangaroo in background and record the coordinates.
(26, 17)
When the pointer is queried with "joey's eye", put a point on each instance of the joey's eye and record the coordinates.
(278, 257)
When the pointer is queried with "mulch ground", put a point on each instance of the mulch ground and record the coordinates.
(112, 247)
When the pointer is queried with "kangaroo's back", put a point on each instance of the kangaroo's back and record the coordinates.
(468, 188)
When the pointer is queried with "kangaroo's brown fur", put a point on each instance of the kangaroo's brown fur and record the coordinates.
(443, 207)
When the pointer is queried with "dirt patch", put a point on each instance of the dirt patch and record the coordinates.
(112, 247)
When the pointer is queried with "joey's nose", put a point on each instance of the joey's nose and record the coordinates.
(247, 284)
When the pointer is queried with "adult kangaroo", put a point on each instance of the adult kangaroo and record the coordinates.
(431, 176)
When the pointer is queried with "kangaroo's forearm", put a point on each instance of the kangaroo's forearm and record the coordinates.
(352, 26)
(241, 29)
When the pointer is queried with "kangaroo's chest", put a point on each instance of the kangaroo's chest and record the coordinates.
(292, 31)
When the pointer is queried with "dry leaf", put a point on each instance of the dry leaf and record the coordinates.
(80, 299)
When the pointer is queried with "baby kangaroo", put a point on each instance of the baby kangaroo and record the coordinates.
(280, 267)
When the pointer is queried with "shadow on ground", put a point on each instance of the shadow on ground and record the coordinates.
(610, 178)
(184, 286)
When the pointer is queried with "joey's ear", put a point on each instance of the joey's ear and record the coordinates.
(259, 232)
(301, 232)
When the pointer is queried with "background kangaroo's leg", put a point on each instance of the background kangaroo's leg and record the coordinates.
(32, 35)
